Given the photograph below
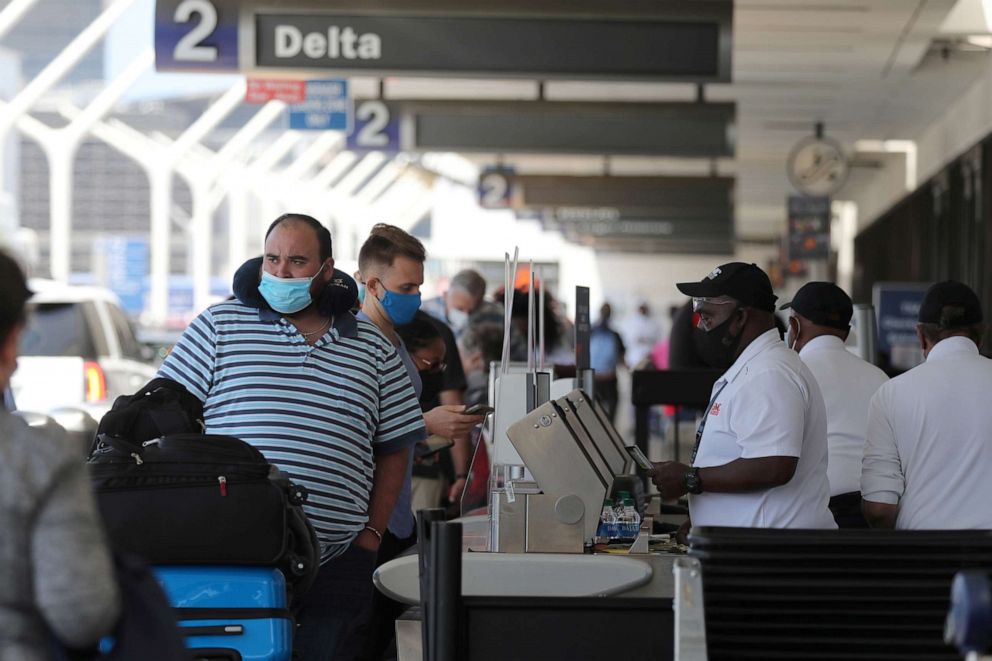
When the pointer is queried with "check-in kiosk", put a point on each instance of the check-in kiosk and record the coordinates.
(577, 460)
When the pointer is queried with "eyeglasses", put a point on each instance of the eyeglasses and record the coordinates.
(432, 367)
(699, 301)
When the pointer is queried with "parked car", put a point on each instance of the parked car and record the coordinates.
(78, 350)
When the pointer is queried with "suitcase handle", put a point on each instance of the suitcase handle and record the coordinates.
(215, 630)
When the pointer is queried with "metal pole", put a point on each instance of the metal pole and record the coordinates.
(61, 146)
(161, 196)
(57, 68)
(446, 590)
(201, 239)
(13, 13)
(60, 161)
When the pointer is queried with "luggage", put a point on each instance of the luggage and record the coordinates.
(203, 500)
(162, 407)
(231, 613)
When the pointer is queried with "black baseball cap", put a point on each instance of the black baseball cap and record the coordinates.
(741, 281)
(823, 303)
(965, 307)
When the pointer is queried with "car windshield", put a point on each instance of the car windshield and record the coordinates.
(56, 329)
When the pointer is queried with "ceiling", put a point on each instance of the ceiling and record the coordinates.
(867, 69)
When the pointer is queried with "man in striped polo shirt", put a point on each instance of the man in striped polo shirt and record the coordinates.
(324, 397)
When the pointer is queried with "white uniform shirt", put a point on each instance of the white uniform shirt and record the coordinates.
(640, 334)
(929, 446)
(769, 406)
(847, 384)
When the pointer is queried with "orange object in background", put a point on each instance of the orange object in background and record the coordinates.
(95, 381)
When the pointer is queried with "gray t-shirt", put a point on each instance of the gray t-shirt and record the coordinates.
(55, 569)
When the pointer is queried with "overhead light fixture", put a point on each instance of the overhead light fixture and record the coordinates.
(969, 17)
(980, 40)
(905, 147)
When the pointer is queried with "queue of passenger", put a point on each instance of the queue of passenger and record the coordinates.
(798, 434)
(787, 442)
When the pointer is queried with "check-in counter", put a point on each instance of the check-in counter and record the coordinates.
(545, 606)
(530, 583)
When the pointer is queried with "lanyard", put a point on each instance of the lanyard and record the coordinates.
(702, 423)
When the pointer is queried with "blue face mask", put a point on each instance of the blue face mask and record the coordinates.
(286, 295)
(400, 308)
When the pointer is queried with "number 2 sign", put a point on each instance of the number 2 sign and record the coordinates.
(196, 35)
(376, 127)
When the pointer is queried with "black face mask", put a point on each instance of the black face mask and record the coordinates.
(717, 348)
(433, 383)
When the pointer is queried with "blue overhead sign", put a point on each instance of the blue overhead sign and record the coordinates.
(898, 308)
(196, 35)
(326, 108)
(376, 127)
(126, 261)
(622, 39)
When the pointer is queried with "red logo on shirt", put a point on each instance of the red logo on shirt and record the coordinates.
(716, 409)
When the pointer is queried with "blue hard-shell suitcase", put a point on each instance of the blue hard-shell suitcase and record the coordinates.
(231, 613)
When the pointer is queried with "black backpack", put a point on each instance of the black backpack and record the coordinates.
(203, 499)
(161, 407)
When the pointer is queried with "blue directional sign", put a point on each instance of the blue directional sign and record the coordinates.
(196, 35)
(495, 188)
(327, 107)
(376, 127)
(126, 260)
(898, 307)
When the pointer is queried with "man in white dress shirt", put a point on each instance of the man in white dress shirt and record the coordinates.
(929, 449)
(818, 326)
(760, 459)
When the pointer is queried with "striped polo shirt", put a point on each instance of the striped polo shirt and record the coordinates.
(320, 413)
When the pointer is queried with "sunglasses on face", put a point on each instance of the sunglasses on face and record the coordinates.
(432, 367)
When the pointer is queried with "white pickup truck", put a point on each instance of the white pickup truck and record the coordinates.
(78, 350)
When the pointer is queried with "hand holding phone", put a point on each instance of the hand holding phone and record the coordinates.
(639, 457)
(478, 409)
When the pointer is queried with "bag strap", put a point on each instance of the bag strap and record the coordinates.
(124, 446)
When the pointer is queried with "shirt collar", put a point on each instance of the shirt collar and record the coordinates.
(952, 346)
(344, 324)
(823, 343)
(764, 341)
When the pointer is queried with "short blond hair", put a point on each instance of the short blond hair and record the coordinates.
(385, 244)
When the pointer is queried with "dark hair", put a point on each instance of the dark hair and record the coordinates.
(418, 334)
(14, 293)
(934, 333)
(323, 234)
(385, 244)
(486, 338)
(469, 281)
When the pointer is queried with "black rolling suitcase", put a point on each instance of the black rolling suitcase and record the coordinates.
(188, 499)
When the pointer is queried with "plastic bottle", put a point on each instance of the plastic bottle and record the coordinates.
(607, 520)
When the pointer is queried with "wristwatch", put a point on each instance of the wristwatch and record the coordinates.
(693, 484)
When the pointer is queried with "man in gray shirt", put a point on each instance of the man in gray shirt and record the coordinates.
(56, 575)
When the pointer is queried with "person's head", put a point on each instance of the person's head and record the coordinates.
(14, 293)
(818, 308)
(480, 345)
(464, 296)
(605, 312)
(949, 309)
(296, 264)
(733, 305)
(643, 309)
(424, 343)
(391, 266)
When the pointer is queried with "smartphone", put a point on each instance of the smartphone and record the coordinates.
(639, 458)
(479, 409)
(432, 446)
